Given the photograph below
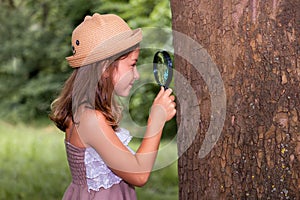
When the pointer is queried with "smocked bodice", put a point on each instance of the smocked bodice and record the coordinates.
(75, 157)
(87, 167)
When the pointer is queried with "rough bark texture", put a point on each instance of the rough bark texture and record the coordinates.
(256, 47)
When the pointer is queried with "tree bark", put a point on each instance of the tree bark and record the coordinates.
(255, 45)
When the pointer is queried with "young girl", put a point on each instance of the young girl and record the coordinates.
(105, 54)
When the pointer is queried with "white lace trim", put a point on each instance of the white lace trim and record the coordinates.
(97, 173)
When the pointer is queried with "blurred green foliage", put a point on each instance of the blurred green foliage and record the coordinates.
(35, 39)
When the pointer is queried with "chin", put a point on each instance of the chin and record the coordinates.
(123, 93)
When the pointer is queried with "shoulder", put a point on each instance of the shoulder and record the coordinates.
(90, 115)
(92, 126)
(90, 119)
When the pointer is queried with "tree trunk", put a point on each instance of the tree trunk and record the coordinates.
(255, 46)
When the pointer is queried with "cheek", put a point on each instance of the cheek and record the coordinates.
(124, 76)
(122, 81)
(116, 76)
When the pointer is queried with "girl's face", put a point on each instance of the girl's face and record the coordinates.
(126, 73)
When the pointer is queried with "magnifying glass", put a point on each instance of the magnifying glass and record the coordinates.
(163, 68)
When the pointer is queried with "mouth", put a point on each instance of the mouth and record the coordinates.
(131, 84)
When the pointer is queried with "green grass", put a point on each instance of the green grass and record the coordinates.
(33, 166)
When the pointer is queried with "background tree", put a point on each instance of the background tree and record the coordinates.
(255, 45)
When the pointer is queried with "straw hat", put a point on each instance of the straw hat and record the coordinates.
(99, 37)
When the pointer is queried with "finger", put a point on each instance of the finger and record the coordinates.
(173, 104)
(172, 97)
(172, 114)
(171, 108)
(161, 92)
(168, 92)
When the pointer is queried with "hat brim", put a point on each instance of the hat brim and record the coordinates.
(106, 49)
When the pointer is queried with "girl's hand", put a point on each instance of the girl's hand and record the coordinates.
(163, 106)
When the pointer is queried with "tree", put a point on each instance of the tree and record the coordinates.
(255, 47)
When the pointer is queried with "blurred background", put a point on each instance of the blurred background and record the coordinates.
(35, 39)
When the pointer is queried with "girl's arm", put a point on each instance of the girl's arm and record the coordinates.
(135, 169)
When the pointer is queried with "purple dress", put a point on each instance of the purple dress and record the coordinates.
(92, 179)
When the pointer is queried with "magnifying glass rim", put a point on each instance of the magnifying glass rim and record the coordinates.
(166, 57)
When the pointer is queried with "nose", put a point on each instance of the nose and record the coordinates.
(136, 74)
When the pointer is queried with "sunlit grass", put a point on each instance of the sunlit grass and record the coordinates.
(33, 166)
(33, 163)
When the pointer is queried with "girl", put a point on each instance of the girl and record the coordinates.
(105, 54)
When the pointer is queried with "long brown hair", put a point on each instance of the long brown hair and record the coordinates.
(91, 86)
